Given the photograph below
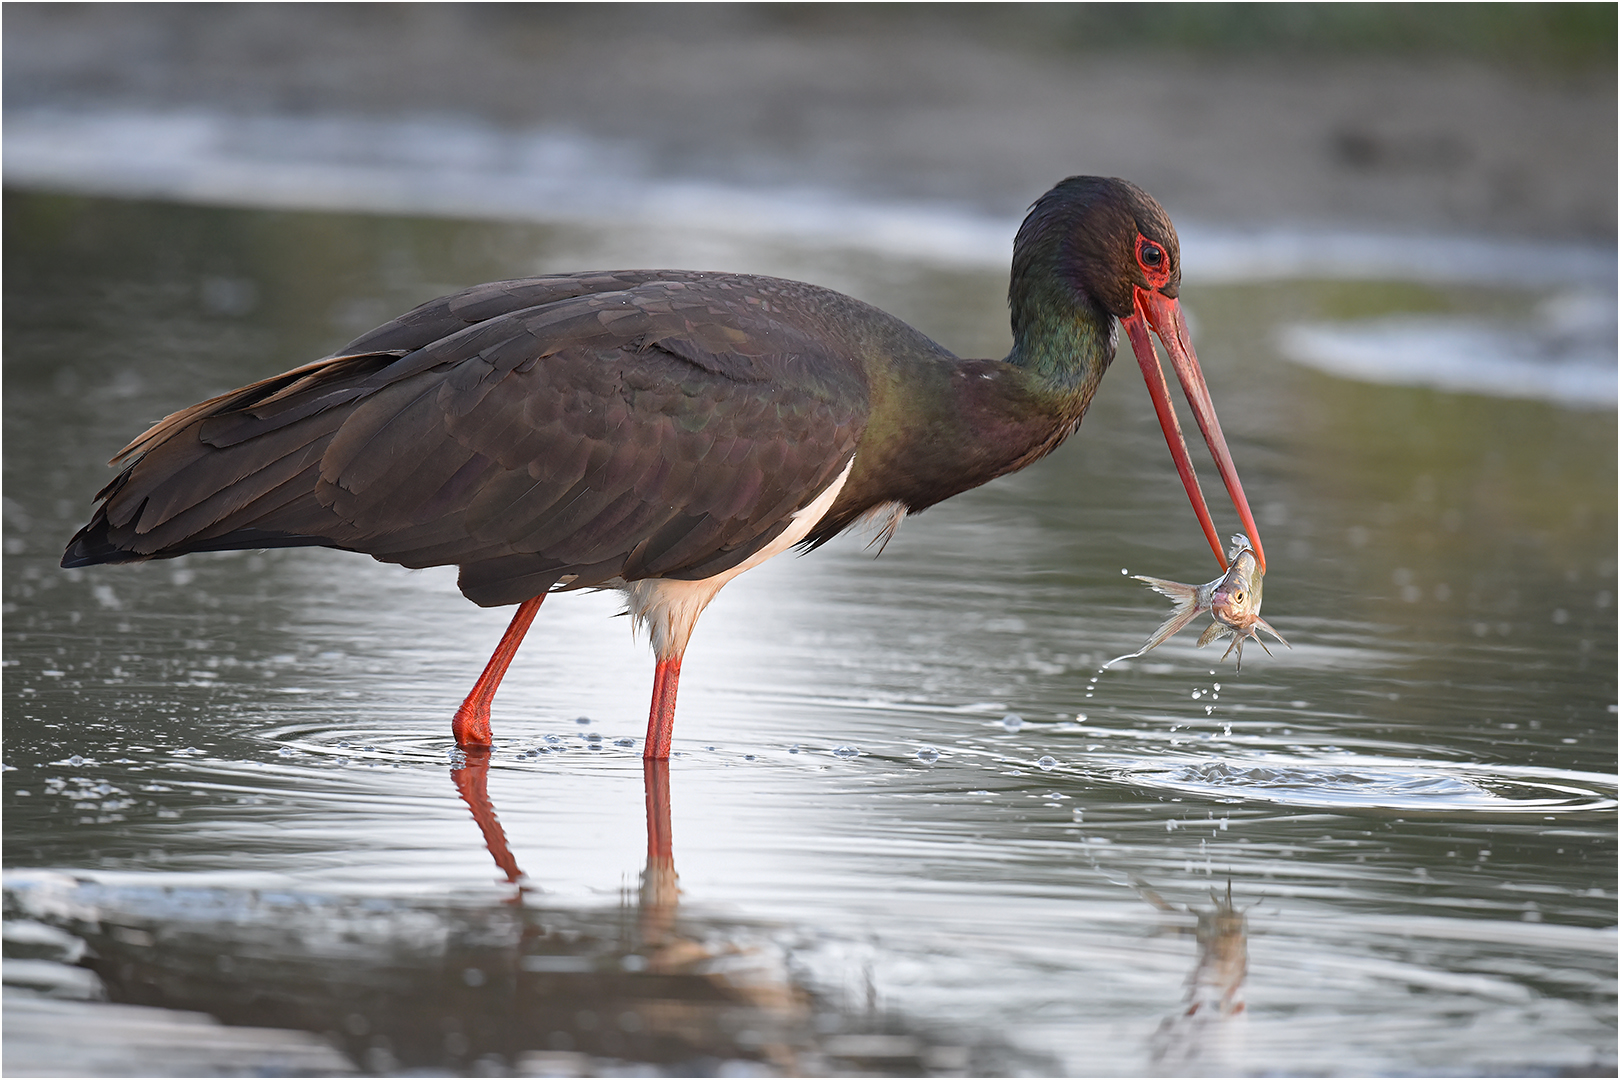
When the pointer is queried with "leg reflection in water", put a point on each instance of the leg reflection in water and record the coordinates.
(472, 783)
(659, 889)
(671, 991)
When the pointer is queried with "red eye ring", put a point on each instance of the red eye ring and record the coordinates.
(1153, 260)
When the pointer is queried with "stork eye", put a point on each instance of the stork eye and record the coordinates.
(1153, 259)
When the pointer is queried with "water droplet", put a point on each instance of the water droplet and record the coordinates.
(1079, 717)
(1048, 762)
(846, 752)
(626, 741)
(75, 760)
(582, 720)
(927, 755)
(1012, 721)
(794, 749)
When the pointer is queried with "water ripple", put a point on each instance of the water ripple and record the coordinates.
(1376, 784)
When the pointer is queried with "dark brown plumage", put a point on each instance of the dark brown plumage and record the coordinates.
(641, 429)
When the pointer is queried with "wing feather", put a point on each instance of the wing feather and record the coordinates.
(565, 430)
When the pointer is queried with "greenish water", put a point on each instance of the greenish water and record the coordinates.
(230, 774)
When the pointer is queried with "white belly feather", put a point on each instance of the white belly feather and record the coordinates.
(670, 608)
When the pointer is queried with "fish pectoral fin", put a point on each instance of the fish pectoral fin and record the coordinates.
(1262, 624)
(1213, 631)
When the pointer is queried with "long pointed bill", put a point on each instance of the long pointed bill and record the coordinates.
(1164, 316)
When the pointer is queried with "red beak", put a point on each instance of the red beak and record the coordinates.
(1164, 316)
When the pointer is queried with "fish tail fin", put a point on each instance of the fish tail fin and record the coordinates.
(1178, 593)
(1189, 602)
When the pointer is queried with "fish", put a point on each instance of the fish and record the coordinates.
(1233, 601)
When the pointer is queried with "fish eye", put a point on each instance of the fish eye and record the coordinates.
(1238, 597)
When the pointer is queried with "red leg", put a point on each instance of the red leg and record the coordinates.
(661, 719)
(471, 725)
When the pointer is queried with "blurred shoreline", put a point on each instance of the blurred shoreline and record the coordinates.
(864, 105)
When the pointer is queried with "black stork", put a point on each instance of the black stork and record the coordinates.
(658, 431)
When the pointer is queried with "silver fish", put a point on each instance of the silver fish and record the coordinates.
(1233, 599)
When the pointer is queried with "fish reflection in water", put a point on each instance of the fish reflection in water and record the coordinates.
(1205, 1036)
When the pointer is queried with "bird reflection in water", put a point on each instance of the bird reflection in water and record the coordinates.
(527, 986)
(1205, 1036)
(669, 986)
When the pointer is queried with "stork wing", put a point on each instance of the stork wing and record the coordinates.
(623, 426)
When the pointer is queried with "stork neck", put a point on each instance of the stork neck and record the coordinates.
(1065, 342)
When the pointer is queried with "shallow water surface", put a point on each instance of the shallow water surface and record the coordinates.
(910, 826)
